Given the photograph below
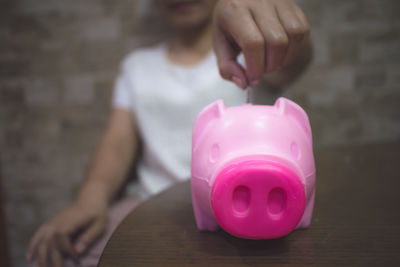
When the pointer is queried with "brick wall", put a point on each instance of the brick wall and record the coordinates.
(58, 61)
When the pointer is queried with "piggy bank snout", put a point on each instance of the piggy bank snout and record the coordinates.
(257, 199)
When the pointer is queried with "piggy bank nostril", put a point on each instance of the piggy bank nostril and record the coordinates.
(241, 199)
(276, 202)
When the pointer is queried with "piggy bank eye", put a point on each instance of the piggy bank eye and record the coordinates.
(295, 150)
(214, 153)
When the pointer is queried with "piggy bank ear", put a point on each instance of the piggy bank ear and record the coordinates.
(211, 112)
(289, 108)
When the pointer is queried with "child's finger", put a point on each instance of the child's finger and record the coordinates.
(34, 243)
(42, 254)
(238, 23)
(55, 257)
(302, 17)
(227, 64)
(64, 244)
(295, 42)
(87, 237)
(294, 27)
(276, 40)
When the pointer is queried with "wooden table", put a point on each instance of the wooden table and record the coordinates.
(356, 221)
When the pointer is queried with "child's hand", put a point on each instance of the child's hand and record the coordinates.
(270, 34)
(52, 241)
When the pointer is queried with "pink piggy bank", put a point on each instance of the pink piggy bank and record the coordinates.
(253, 170)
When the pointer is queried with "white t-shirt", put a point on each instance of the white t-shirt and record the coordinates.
(165, 99)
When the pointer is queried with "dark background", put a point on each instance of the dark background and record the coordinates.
(59, 59)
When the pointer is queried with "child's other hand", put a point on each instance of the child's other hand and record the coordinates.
(270, 33)
(52, 241)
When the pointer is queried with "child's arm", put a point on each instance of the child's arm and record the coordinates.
(272, 34)
(88, 214)
(112, 160)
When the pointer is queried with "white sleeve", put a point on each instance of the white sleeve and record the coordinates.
(122, 95)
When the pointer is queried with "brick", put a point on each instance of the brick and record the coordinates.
(393, 75)
(313, 11)
(11, 94)
(101, 29)
(348, 126)
(344, 48)
(38, 7)
(377, 127)
(321, 47)
(380, 48)
(104, 91)
(371, 76)
(320, 85)
(42, 127)
(13, 139)
(341, 16)
(380, 10)
(382, 103)
(79, 90)
(41, 92)
(104, 56)
(13, 67)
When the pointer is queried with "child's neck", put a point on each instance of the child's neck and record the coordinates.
(191, 47)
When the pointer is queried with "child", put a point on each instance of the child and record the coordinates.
(157, 96)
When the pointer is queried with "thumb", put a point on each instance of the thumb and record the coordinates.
(88, 236)
(226, 53)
